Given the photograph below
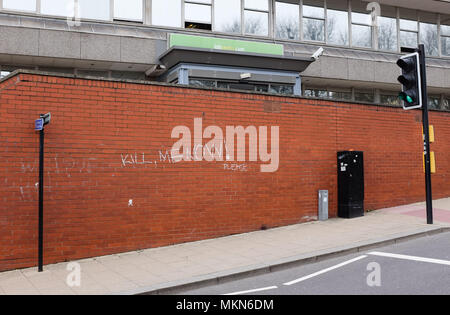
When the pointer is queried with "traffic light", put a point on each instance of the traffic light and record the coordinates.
(411, 81)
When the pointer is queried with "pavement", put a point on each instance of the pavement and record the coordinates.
(199, 264)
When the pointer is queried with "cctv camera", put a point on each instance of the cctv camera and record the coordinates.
(155, 69)
(318, 54)
(46, 117)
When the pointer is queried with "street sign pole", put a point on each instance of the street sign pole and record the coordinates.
(426, 135)
(41, 202)
(40, 126)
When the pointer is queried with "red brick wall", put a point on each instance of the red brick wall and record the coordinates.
(97, 123)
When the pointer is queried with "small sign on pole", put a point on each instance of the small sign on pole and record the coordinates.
(39, 124)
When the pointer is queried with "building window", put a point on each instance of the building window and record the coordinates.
(315, 92)
(445, 35)
(389, 98)
(281, 89)
(409, 28)
(197, 14)
(227, 16)
(163, 17)
(387, 29)
(20, 5)
(313, 20)
(287, 20)
(243, 86)
(337, 22)
(446, 103)
(256, 17)
(361, 25)
(95, 10)
(4, 74)
(428, 31)
(340, 94)
(434, 102)
(202, 83)
(58, 7)
(365, 96)
(128, 10)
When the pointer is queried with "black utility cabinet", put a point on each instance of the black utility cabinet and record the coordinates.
(350, 184)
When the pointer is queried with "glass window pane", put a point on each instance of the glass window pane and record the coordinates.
(227, 16)
(429, 37)
(128, 10)
(361, 18)
(408, 39)
(281, 89)
(95, 10)
(313, 29)
(446, 104)
(198, 13)
(445, 26)
(22, 5)
(314, 8)
(340, 95)
(262, 5)
(445, 30)
(434, 102)
(261, 88)
(58, 7)
(409, 25)
(287, 21)
(4, 74)
(361, 36)
(337, 27)
(367, 97)
(202, 83)
(162, 16)
(387, 34)
(390, 99)
(256, 23)
(319, 93)
(445, 46)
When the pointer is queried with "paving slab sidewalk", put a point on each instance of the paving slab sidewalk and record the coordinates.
(161, 270)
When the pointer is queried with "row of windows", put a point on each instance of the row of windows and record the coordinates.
(336, 22)
(439, 102)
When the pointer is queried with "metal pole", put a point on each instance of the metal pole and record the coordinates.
(41, 203)
(426, 135)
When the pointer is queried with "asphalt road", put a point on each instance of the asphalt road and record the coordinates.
(420, 266)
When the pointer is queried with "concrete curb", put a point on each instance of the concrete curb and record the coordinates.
(281, 264)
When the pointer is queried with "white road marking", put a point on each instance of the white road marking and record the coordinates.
(413, 258)
(253, 291)
(326, 270)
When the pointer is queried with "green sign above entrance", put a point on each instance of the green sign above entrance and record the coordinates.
(225, 44)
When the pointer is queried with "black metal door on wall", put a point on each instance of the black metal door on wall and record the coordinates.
(350, 184)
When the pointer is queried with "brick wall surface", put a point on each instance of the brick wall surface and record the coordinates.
(101, 198)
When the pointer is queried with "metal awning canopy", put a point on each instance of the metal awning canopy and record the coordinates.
(176, 55)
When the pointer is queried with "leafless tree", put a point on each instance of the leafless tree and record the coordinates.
(387, 34)
(233, 27)
(313, 29)
(288, 28)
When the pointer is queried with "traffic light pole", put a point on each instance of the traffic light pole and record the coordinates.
(426, 135)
